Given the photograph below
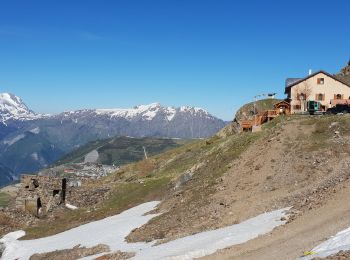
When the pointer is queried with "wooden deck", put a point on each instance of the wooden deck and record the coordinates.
(258, 120)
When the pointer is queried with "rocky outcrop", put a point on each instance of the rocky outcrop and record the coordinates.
(344, 74)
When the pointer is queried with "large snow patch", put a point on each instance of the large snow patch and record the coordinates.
(113, 230)
(337, 243)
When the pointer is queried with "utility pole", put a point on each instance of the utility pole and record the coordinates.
(144, 151)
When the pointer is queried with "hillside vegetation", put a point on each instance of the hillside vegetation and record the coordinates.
(297, 161)
(4, 199)
(121, 150)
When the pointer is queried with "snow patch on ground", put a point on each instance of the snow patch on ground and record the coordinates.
(72, 207)
(91, 157)
(339, 242)
(36, 130)
(209, 242)
(14, 140)
(112, 231)
(109, 231)
(35, 156)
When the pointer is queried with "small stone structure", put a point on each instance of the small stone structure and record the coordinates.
(40, 194)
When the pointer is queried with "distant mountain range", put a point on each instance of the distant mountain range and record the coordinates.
(31, 141)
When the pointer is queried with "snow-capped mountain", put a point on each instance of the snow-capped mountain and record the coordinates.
(144, 120)
(30, 141)
(13, 108)
(141, 112)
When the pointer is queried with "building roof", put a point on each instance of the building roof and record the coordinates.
(310, 76)
(284, 102)
(290, 81)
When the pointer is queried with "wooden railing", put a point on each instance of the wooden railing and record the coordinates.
(259, 119)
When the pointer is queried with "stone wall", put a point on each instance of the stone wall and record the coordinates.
(40, 195)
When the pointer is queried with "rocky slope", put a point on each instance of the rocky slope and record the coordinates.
(344, 74)
(298, 161)
(247, 112)
(29, 141)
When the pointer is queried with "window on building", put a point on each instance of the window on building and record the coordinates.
(296, 107)
(320, 97)
(338, 96)
(301, 96)
(320, 81)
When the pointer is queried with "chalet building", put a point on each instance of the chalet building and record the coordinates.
(320, 86)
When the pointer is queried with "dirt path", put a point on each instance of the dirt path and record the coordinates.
(304, 233)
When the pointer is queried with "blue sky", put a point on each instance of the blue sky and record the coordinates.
(215, 54)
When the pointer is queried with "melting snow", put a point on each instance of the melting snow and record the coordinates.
(341, 241)
(113, 230)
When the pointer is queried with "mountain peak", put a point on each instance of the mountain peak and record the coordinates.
(149, 106)
(12, 107)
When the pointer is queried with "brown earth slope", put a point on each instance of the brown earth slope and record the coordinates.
(295, 161)
(298, 162)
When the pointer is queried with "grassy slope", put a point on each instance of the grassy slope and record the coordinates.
(77, 156)
(4, 199)
(154, 179)
(120, 150)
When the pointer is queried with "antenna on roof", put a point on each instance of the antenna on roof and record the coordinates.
(310, 72)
